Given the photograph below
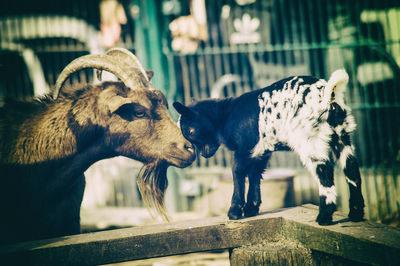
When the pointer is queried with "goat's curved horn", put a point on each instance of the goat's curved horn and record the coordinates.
(128, 58)
(130, 76)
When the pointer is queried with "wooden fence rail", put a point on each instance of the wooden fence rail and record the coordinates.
(363, 242)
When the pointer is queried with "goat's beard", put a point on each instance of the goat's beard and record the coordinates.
(152, 182)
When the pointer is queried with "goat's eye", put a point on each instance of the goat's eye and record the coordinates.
(139, 114)
(192, 131)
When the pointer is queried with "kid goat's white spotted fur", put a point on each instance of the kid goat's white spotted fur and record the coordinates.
(303, 114)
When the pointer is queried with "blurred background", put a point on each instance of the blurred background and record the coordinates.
(203, 48)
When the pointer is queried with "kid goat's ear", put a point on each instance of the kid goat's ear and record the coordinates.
(183, 110)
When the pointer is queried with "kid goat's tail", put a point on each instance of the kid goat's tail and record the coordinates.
(334, 89)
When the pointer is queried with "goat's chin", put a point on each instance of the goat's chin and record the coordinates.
(206, 155)
(208, 151)
(180, 159)
(180, 162)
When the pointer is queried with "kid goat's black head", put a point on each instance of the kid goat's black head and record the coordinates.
(198, 129)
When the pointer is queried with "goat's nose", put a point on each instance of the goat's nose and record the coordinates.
(189, 147)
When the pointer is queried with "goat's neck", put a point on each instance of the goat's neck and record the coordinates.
(54, 132)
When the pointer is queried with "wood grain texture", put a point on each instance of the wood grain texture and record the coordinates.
(363, 242)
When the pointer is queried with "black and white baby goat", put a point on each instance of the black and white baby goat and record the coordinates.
(303, 114)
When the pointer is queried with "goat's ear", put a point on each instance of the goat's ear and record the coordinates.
(183, 110)
(116, 102)
(149, 74)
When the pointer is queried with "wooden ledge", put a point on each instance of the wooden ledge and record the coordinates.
(362, 242)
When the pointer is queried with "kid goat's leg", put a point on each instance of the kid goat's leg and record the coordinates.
(253, 202)
(327, 192)
(239, 175)
(348, 163)
(314, 153)
(322, 170)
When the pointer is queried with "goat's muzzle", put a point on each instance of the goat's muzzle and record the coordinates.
(182, 155)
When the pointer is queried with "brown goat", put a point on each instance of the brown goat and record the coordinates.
(47, 144)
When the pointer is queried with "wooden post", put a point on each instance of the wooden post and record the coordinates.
(285, 252)
(282, 252)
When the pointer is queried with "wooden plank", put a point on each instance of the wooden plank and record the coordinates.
(364, 242)
(143, 242)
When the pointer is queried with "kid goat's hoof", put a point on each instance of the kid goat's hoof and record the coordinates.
(356, 215)
(235, 213)
(324, 219)
(250, 210)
